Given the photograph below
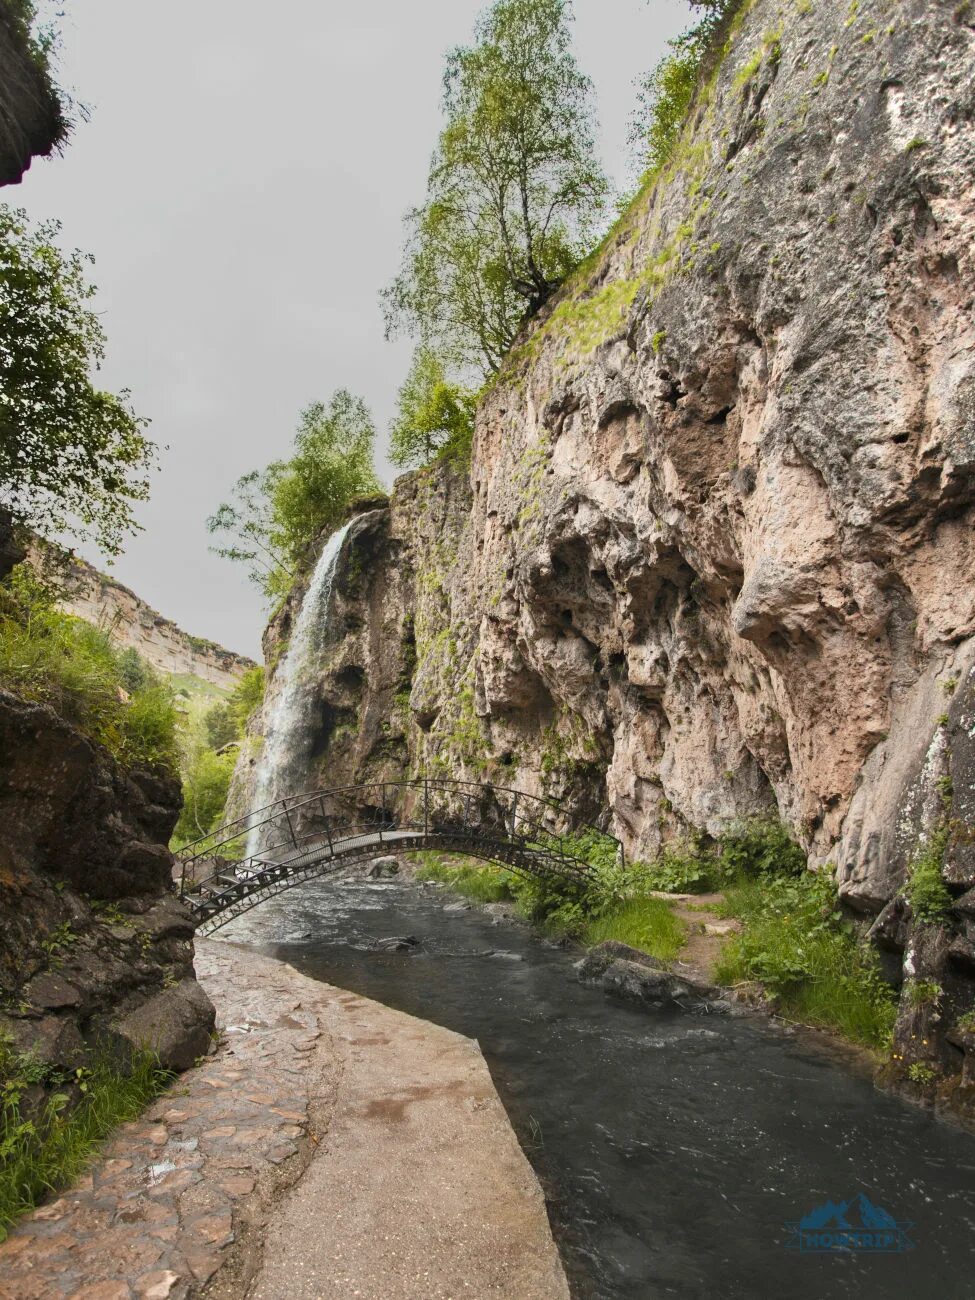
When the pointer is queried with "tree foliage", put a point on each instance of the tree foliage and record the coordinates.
(514, 191)
(436, 417)
(72, 457)
(275, 513)
(226, 721)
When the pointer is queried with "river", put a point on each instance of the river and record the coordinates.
(674, 1149)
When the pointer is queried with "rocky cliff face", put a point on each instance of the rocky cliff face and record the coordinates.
(714, 555)
(95, 949)
(101, 600)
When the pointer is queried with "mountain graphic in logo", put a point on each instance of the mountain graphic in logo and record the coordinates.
(839, 1227)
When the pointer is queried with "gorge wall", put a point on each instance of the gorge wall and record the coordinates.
(134, 624)
(713, 554)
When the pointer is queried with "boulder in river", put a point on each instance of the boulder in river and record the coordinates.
(383, 868)
(398, 943)
(628, 973)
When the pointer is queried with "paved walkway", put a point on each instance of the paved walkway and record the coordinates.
(330, 1148)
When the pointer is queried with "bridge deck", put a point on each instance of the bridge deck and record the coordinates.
(507, 827)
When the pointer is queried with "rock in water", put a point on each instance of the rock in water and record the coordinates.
(383, 868)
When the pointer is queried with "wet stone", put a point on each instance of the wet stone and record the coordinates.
(158, 1209)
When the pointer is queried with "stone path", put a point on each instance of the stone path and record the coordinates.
(415, 1166)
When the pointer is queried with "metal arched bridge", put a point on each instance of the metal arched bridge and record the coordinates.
(295, 839)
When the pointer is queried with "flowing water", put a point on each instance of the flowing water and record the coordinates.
(674, 1149)
(291, 719)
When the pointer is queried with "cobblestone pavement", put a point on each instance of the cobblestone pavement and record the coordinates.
(174, 1191)
(417, 1186)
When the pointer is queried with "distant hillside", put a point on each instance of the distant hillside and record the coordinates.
(162, 643)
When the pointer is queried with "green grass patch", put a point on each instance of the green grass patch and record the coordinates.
(609, 906)
(644, 923)
(56, 659)
(795, 941)
(482, 884)
(40, 1154)
(925, 888)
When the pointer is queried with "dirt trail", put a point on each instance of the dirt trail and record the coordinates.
(707, 932)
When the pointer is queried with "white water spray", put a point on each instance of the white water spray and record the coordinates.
(291, 723)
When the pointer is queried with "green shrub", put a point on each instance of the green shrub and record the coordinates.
(759, 846)
(796, 942)
(925, 888)
(62, 661)
(42, 1153)
(920, 993)
(678, 869)
(667, 93)
(921, 1073)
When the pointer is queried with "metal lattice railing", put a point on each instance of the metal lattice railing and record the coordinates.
(273, 848)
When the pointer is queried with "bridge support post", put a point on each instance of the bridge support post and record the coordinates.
(426, 807)
(287, 818)
(328, 825)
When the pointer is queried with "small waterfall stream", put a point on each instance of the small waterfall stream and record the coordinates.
(291, 721)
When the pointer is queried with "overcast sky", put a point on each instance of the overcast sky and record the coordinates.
(241, 183)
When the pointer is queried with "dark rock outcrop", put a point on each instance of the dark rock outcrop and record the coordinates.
(627, 973)
(96, 952)
(11, 552)
(32, 122)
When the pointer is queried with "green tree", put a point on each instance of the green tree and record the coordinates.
(435, 416)
(247, 696)
(135, 672)
(206, 781)
(514, 192)
(276, 513)
(220, 724)
(72, 457)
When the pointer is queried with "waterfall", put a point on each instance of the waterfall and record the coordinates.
(292, 722)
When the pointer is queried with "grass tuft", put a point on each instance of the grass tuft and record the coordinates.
(644, 923)
(796, 942)
(40, 1154)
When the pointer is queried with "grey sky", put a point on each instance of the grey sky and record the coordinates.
(241, 184)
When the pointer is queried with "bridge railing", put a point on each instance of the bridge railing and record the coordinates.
(340, 816)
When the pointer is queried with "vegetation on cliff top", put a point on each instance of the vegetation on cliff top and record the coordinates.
(276, 513)
(34, 110)
(62, 661)
(73, 458)
(436, 417)
(667, 92)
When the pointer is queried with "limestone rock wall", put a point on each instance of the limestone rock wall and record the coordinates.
(132, 623)
(714, 554)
